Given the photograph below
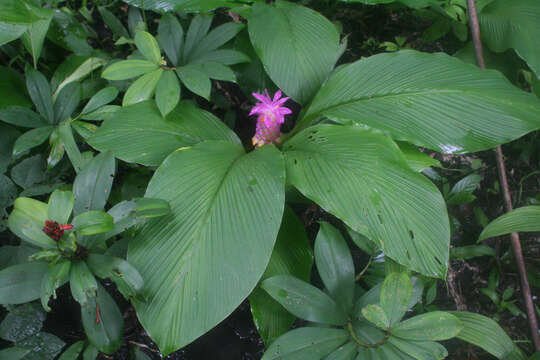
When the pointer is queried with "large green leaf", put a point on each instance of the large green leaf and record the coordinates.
(361, 177)
(434, 325)
(396, 295)
(513, 24)
(35, 34)
(92, 186)
(335, 265)
(298, 46)
(21, 283)
(143, 88)
(10, 32)
(148, 46)
(487, 334)
(431, 100)
(178, 5)
(292, 255)
(224, 204)
(139, 133)
(304, 300)
(40, 93)
(526, 218)
(103, 322)
(12, 89)
(308, 343)
(27, 220)
(171, 37)
(17, 12)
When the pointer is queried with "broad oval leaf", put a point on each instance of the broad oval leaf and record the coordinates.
(21, 283)
(167, 92)
(126, 277)
(103, 322)
(424, 350)
(396, 293)
(127, 69)
(526, 218)
(31, 139)
(335, 265)
(27, 220)
(224, 204)
(60, 206)
(298, 47)
(148, 46)
(92, 186)
(40, 93)
(434, 325)
(93, 222)
(361, 177)
(431, 100)
(101, 98)
(21, 116)
(515, 25)
(143, 88)
(67, 101)
(195, 80)
(344, 352)
(171, 37)
(377, 316)
(304, 300)
(292, 255)
(487, 334)
(82, 282)
(138, 133)
(312, 343)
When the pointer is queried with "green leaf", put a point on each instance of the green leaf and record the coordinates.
(139, 133)
(377, 316)
(396, 293)
(92, 186)
(224, 204)
(465, 186)
(13, 353)
(90, 353)
(195, 80)
(27, 220)
(66, 136)
(292, 255)
(304, 300)
(34, 36)
(215, 70)
(82, 283)
(29, 172)
(487, 334)
(8, 136)
(143, 88)
(361, 177)
(504, 26)
(113, 23)
(21, 283)
(297, 45)
(127, 69)
(101, 98)
(409, 95)
(10, 32)
(187, 6)
(55, 277)
(471, 251)
(31, 139)
(12, 89)
(8, 191)
(126, 277)
(147, 207)
(425, 350)
(171, 37)
(43, 345)
(103, 113)
(148, 46)
(167, 93)
(93, 222)
(223, 56)
(214, 39)
(523, 219)
(307, 343)
(335, 265)
(344, 352)
(60, 206)
(40, 93)
(434, 325)
(198, 28)
(21, 116)
(73, 351)
(67, 101)
(21, 322)
(83, 70)
(16, 12)
(103, 322)
(417, 160)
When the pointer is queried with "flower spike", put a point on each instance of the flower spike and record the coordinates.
(271, 116)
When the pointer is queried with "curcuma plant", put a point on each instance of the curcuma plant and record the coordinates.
(212, 223)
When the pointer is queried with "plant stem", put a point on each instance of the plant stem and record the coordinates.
(516, 244)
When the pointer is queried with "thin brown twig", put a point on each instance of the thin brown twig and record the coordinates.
(516, 244)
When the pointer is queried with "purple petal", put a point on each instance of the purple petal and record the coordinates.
(277, 95)
(284, 111)
(259, 97)
(281, 101)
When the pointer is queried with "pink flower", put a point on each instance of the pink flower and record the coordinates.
(271, 116)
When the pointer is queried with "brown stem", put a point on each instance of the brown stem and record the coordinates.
(516, 244)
